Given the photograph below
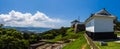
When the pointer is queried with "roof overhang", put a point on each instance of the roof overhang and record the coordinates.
(99, 16)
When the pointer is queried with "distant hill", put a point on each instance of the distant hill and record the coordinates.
(30, 29)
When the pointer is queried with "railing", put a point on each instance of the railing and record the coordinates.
(90, 42)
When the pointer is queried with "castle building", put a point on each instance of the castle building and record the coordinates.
(100, 25)
(77, 26)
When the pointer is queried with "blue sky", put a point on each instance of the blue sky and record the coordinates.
(62, 11)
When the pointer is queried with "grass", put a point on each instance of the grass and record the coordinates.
(58, 38)
(118, 33)
(70, 35)
(111, 45)
(87, 47)
(78, 43)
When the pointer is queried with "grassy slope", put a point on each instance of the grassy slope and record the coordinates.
(78, 43)
(87, 47)
(58, 38)
(111, 45)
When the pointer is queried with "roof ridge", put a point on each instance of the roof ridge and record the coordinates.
(103, 12)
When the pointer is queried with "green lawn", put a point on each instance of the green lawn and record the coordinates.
(78, 43)
(87, 47)
(111, 45)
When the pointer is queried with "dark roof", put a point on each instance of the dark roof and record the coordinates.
(75, 21)
(103, 12)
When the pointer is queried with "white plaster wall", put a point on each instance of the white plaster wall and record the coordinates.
(90, 26)
(103, 24)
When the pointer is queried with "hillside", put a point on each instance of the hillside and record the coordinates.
(71, 40)
(13, 39)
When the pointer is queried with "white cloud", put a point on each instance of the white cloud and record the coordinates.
(18, 19)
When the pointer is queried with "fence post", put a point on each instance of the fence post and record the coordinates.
(90, 42)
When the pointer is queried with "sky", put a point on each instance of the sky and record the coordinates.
(52, 13)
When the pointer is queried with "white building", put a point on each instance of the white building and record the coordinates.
(100, 25)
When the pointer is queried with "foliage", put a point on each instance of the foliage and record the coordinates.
(71, 35)
(51, 34)
(117, 26)
(60, 34)
(33, 38)
(65, 35)
(57, 38)
(1, 25)
(9, 42)
(13, 39)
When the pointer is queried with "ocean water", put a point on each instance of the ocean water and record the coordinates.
(31, 29)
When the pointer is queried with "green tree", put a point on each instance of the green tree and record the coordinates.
(1, 25)
(9, 42)
(12, 39)
(117, 26)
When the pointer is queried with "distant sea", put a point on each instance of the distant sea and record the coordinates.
(31, 29)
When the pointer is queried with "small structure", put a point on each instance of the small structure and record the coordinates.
(74, 22)
(103, 43)
(100, 25)
(77, 26)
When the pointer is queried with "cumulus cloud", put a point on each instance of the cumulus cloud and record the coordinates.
(19, 19)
